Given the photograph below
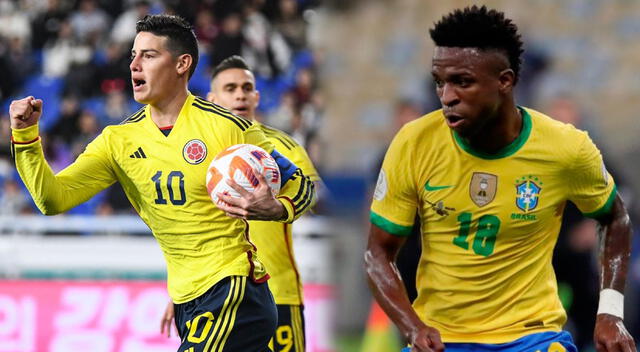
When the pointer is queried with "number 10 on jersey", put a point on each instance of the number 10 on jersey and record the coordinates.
(176, 197)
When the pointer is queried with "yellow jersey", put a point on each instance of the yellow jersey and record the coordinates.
(164, 178)
(489, 222)
(273, 239)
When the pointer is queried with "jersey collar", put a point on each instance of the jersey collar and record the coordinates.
(508, 150)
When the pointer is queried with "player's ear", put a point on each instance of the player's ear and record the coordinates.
(211, 97)
(183, 64)
(257, 97)
(507, 79)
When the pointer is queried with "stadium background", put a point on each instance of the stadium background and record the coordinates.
(340, 76)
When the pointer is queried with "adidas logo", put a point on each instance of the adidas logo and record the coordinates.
(139, 154)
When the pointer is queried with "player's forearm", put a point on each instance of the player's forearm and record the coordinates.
(297, 196)
(615, 247)
(52, 194)
(39, 179)
(33, 169)
(387, 287)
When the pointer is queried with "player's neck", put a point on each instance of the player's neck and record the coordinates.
(500, 132)
(165, 113)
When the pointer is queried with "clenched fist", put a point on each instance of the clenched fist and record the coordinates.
(25, 112)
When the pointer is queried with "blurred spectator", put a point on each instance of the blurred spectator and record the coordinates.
(114, 73)
(16, 64)
(124, 27)
(90, 23)
(8, 82)
(20, 59)
(66, 127)
(5, 142)
(56, 152)
(266, 50)
(89, 129)
(13, 200)
(186, 9)
(46, 25)
(305, 85)
(206, 29)
(116, 108)
(535, 64)
(64, 51)
(224, 8)
(282, 117)
(291, 25)
(308, 102)
(229, 41)
(15, 23)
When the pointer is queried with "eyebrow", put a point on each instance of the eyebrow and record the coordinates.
(145, 51)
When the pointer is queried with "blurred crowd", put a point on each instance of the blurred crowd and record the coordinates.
(74, 54)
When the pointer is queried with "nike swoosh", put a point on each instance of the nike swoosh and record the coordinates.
(434, 188)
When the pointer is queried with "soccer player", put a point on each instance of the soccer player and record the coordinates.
(160, 156)
(233, 86)
(489, 180)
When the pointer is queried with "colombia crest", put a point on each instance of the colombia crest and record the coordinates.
(194, 152)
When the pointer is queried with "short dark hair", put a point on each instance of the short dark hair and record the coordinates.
(479, 27)
(234, 61)
(180, 36)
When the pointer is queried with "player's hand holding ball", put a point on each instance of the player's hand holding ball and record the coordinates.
(243, 181)
(25, 112)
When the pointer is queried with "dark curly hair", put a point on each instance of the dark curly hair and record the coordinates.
(479, 27)
(180, 36)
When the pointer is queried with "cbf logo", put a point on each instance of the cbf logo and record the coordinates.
(195, 151)
(528, 193)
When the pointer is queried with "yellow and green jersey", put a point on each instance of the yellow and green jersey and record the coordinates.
(273, 239)
(489, 222)
(164, 178)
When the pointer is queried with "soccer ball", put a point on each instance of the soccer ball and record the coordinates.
(241, 162)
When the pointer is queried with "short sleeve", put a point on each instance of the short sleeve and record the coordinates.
(591, 187)
(395, 199)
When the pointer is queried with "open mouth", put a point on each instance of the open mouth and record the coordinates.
(454, 121)
(137, 83)
(240, 110)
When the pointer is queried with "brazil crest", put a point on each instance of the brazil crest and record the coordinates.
(527, 195)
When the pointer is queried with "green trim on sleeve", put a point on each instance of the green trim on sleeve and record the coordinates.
(390, 227)
(606, 208)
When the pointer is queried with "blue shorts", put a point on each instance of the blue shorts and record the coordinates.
(236, 314)
(543, 342)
